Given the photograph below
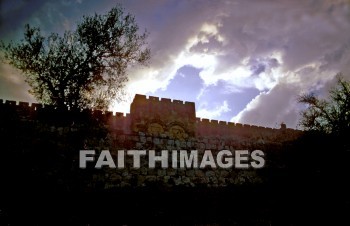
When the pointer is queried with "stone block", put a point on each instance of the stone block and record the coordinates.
(170, 142)
(171, 172)
(207, 146)
(150, 178)
(166, 179)
(178, 181)
(135, 138)
(156, 141)
(141, 180)
(143, 139)
(186, 180)
(143, 171)
(210, 173)
(139, 146)
(161, 172)
(151, 171)
(189, 144)
(181, 172)
(190, 173)
(199, 173)
(224, 173)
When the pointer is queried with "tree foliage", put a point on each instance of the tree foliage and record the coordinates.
(83, 68)
(330, 116)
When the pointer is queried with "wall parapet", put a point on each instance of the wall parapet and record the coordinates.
(207, 127)
(147, 115)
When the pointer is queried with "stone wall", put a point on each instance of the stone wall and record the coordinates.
(155, 117)
(154, 124)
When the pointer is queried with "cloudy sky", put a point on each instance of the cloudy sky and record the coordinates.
(243, 61)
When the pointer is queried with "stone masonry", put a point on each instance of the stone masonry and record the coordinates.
(160, 124)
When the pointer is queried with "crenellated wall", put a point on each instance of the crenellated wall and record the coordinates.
(153, 124)
(155, 117)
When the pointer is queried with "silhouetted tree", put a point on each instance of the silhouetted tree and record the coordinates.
(321, 154)
(85, 67)
(330, 116)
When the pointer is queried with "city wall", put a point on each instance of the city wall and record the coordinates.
(156, 124)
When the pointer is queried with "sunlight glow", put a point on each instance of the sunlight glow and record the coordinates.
(213, 113)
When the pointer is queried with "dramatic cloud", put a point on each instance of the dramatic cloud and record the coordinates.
(275, 106)
(244, 61)
(214, 113)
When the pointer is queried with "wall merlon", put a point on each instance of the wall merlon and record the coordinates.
(23, 104)
(108, 113)
(119, 114)
(254, 127)
(214, 121)
(152, 98)
(189, 103)
(160, 112)
(10, 102)
(231, 124)
(178, 102)
(165, 100)
(139, 97)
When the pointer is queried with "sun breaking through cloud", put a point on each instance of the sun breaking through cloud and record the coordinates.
(242, 61)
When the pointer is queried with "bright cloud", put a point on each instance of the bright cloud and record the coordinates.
(252, 58)
(213, 113)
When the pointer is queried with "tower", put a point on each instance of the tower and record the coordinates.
(163, 117)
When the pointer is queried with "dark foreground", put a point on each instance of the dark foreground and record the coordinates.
(243, 205)
(305, 182)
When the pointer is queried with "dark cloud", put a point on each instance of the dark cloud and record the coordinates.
(278, 48)
(14, 14)
(258, 66)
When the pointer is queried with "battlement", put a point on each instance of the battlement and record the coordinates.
(152, 115)
(26, 111)
(223, 129)
(37, 107)
(214, 122)
(156, 115)
(141, 98)
(155, 106)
